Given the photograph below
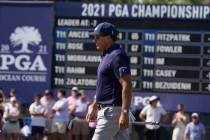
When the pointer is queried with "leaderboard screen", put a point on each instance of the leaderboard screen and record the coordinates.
(168, 45)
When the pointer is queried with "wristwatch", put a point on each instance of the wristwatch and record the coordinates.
(125, 111)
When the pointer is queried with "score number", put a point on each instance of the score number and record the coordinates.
(95, 10)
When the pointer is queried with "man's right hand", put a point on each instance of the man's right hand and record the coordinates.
(92, 113)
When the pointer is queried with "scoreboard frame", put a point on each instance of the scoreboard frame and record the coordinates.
(182, 29)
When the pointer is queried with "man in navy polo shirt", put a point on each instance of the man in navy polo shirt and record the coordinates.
(113, 89)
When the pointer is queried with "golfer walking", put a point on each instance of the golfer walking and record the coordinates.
(113, 89)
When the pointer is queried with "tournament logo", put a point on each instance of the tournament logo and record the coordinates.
(25, 56)
(24, 36)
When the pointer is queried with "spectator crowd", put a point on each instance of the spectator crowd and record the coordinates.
(183, 128)
(64, 117)
(51, 118)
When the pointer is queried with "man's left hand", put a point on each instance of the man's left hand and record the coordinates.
(123, 121)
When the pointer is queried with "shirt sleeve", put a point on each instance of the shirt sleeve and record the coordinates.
(31, 108)
(64, 105)
(54, 106)
(144, 111)
(120, 65)
(6, 109)
(43, 109)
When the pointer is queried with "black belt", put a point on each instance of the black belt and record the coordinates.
(100, 106)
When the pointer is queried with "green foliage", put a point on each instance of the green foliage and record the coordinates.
(175, 1)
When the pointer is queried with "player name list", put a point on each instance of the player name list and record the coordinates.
(161, 60)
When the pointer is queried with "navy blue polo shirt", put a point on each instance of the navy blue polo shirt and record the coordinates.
(114, 64)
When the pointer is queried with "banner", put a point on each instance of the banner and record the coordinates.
(163, 11)
(25, 48)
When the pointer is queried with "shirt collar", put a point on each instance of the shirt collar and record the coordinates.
(110, 49)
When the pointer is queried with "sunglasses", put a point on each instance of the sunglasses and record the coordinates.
(98, 37)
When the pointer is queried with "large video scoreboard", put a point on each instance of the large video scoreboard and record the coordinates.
(168, 45)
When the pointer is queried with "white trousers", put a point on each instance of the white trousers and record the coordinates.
(107, 127)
